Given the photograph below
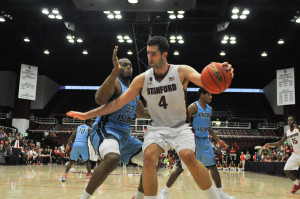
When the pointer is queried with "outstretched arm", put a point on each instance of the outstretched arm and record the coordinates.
(275, 144)
(133, 90)
(108, 88)
(190, 74)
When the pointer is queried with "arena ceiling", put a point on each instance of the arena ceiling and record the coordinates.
(203, 28)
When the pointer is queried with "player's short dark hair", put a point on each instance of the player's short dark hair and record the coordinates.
(124, 58)
(87, 121)
(161, 42)
(201, 90)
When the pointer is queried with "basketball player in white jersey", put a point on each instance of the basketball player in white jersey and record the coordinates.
(294, 161)
(164, 88)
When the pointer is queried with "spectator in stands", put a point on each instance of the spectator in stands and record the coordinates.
(232, 166)
(232, 154)
(219, 165)
(286, 157)
(248, 156)
(17, 144)
(268, 159)
(33, 156)
(243, 159)
(8, 155)
(236, 146)
(278, 159)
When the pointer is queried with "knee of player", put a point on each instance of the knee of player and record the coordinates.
(112, 160)
(150, 159)
(187, 157)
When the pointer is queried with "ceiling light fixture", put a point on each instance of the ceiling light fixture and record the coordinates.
(55, 11)
(133, 1)
(281, 41)
(235, 10)
(2, 19)
(51, 16)
(45, 11)
(46, 52)
(85, 52)
(176, 53)
(126, 38)
(129, 52)
(264, 54)
(222, 53)
(79, 40)
(26, 39)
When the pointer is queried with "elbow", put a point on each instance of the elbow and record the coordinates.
(99, 100)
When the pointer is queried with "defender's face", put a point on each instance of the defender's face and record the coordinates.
(126, 68)
(155, 58)
(291, 121)
(207, 97)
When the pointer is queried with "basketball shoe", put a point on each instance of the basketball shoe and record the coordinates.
(162, 195)
(225, 196)
(63, 179)
(295, 188)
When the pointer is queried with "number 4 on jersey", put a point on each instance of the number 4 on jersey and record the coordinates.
(162, 102)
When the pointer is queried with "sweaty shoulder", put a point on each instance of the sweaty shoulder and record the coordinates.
(183, 70)
(138, 81)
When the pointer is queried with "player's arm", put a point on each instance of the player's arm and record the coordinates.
(276, 144)
(71, 140)
(90, 132)
(141, 111)
(192, 110)
(106, 91)
(133, 90)
(190, 74)
(211, 131)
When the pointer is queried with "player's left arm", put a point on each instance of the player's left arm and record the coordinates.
(141, 111)
(71, 140)
(190, 74)
(220, 142)
(192, 110)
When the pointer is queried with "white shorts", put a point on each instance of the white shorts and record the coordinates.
(166, 137)
(293, 162)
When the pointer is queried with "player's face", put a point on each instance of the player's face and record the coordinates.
(291, 121)
(126, 68)
(155, 58)
(206, 98)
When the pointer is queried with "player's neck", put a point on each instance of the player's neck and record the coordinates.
(202, 104)
(125, 81)
(162, 70)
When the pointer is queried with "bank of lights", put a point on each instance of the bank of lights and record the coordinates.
(54, 14)
(72, 39)
(178, 39)
(237, 15)
(231, 39)
(176, 14)
(113, 14)
(122, 39)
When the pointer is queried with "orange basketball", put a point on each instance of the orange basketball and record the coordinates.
(216, 78)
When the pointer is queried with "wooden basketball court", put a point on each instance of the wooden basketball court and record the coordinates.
(44, 182)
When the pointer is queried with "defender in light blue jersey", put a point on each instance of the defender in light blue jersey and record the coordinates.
(79, 141)
(200, 114)
(111, 133)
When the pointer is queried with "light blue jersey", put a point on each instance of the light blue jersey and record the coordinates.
(117, 126)
(121, 119)
(201, 120)
(80, 145)
(82, 133)
(201, 125)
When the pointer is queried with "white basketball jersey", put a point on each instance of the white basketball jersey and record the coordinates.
(165, 99)
(294, 136)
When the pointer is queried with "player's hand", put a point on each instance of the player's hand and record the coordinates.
(221, 143)
(115, 59)
(266, 146)
(229, 66)
(296, 126)
(67, 148)
(77, 115)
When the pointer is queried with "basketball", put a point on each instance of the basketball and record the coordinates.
(216, 78)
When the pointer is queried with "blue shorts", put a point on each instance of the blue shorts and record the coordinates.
(129, 145)
(204, 152)
(80, 148)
